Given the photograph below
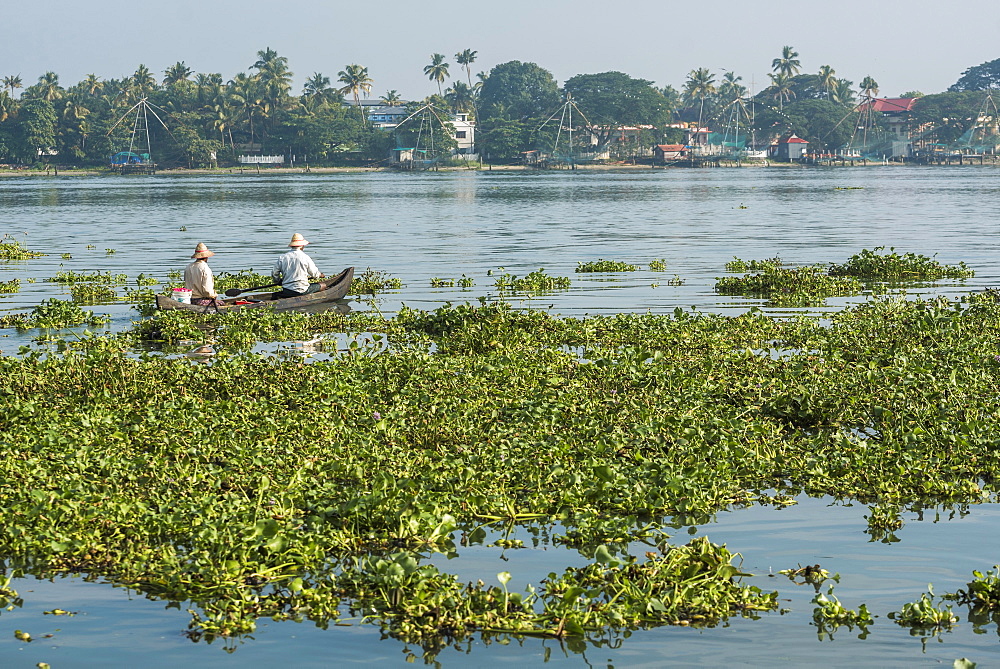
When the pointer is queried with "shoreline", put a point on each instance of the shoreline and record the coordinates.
(237, 171)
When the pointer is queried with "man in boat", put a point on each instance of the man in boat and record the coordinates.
(199, 280)
(294, 269)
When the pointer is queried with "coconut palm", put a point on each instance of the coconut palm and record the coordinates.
(782, 85)
(391, 98)
(699, 85)
(176, 73)
(730, 88)
(317, 90)
(92, 84)
(869, 87)
(274, 76)
(11, 82)
(244, 94)
(788, 64)
(827, 79)
(842, 92)
(466, 59)
(356, 80)
(142, 83)
(460, 97)
(48, 87)
(437, 70)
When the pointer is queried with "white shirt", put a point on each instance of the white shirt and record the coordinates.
(199, 280)
(294, 269)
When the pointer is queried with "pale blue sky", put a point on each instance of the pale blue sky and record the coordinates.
(904, 45)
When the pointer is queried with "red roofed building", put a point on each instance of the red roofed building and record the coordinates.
(896, 112)
(789, 147)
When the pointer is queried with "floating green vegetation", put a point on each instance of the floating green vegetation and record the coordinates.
(143, 280)
(12, 286)
(829, 615)
(67, 256)
(54, 313)
(982, 592)
(658, 265)
(243, 279)
(536, 281)
(11, 249)
(265, 487)
(464, 282)
(71, 277)
(605, 266)
(925, 614)
(92, 293)
(372, 282)
(737, 265)
(875, 266)
(792, 286)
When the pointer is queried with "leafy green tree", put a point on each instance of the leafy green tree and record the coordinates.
(36, 129)
(317, 91)
(437, 70)
(979, 78)
(142, 83)
(505, 139)
(948, 115)
(460, 98)
(824, 124)
(519, 91)
(610, 100)
(781, 88)
(47, 88)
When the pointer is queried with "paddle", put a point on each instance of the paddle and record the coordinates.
(234, 292)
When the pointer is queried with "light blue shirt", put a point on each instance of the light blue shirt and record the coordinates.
(294, 269)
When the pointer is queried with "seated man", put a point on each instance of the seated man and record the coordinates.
(294, 269)
(199, 280)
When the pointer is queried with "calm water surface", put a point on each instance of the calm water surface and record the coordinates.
(419, 226)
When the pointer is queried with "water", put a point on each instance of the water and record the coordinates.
(419, 226)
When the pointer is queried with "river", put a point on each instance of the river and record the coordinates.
(482, 224)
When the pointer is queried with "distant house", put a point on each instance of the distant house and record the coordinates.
(386, 116)
(664, 152)
(896, 112)
(465, 134)
(789, 147)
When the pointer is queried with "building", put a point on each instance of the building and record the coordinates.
(666, 152)
(789, 147)
(896, 113)
(465, 134)
(386, 116)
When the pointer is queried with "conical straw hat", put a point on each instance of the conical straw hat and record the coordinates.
(201, 251)
(297, 240)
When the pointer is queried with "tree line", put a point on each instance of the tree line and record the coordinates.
(197, 116)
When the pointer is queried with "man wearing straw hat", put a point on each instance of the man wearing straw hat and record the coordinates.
(199, 280)
(294, 269)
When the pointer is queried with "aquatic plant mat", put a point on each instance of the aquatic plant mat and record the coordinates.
(253, 486)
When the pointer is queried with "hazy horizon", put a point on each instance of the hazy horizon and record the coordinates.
(903, 45)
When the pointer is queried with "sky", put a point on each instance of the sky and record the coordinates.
(905, 45)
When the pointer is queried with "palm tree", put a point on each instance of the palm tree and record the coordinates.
(730, 89)
(788, 63)
(356, 80)
(13, 81)
(391, 98)
(91, 84)
(700, 84)
(317, 91)
(142, 82)
(274, 75)
(244, 93)
(460, 97)
(782, 85)
(842, 93)
(466, 59)
(176, 73)
(437, 70)
(481, 78)
(48, 87)
(869, 87)
(827, 79)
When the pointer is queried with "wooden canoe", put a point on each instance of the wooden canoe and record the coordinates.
(331, 289)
